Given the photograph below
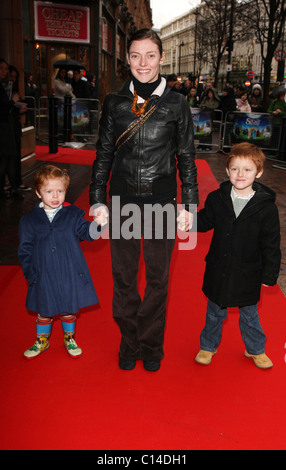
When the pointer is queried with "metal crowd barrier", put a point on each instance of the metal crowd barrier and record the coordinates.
(257, 128)
(207, 129)
(211, 132)
(31, 114)
(84, 119)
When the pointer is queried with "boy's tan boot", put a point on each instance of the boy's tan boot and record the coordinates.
(204, 357)
(260, 360)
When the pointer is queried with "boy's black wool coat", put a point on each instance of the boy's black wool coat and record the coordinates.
(244, 251)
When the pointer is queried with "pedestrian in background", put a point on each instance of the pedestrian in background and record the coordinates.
(8, 149)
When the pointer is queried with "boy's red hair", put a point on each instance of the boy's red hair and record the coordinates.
(247, 150)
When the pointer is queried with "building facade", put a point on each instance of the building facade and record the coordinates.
(184, 57)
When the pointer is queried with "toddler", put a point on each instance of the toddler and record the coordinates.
(53, 262)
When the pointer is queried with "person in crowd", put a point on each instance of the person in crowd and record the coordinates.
(19, 109)
(82, 90)
(177, 86)
(62, 87)
(230, 85)
(244, 252)
(30, 86)
(146, 131)
(171, 80)
(227, 101)
(80, 87)
(242, 103)
(69, 76)
(83, 75)
(91, 80)
(93, 106)
(208, 85)
(8, 149)
(30, 98)
(278, 108)
(210, 101)
(193, 98)
(173, 83)
(200, 89)
(256, 99)
(186, 86)
(238, 91)
(59, 282)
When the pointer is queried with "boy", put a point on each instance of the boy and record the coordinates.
(244, 252)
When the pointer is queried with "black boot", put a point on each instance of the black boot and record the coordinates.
(152, 366)
(127, 364)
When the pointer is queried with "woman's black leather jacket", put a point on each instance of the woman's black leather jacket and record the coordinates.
(144, 169)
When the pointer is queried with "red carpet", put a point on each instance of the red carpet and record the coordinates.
(55, 402)
(65, 155)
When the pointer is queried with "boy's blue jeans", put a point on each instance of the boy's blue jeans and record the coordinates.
(249, 324)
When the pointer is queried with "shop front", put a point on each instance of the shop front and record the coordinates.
(57, 31)
(93, 32)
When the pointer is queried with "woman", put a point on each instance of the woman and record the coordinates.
(210, 101)
(8, 152)
(256, 99)
(91, 79)
(145, 131)
(243, 104)
(62, 87)
(193, 98)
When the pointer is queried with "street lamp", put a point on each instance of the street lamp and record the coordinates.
(196, 33)
(180, 46)
(229, 47)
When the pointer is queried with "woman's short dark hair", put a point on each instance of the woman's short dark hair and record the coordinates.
(145, 33)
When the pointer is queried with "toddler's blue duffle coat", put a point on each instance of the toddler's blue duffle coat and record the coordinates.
(53, 262)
